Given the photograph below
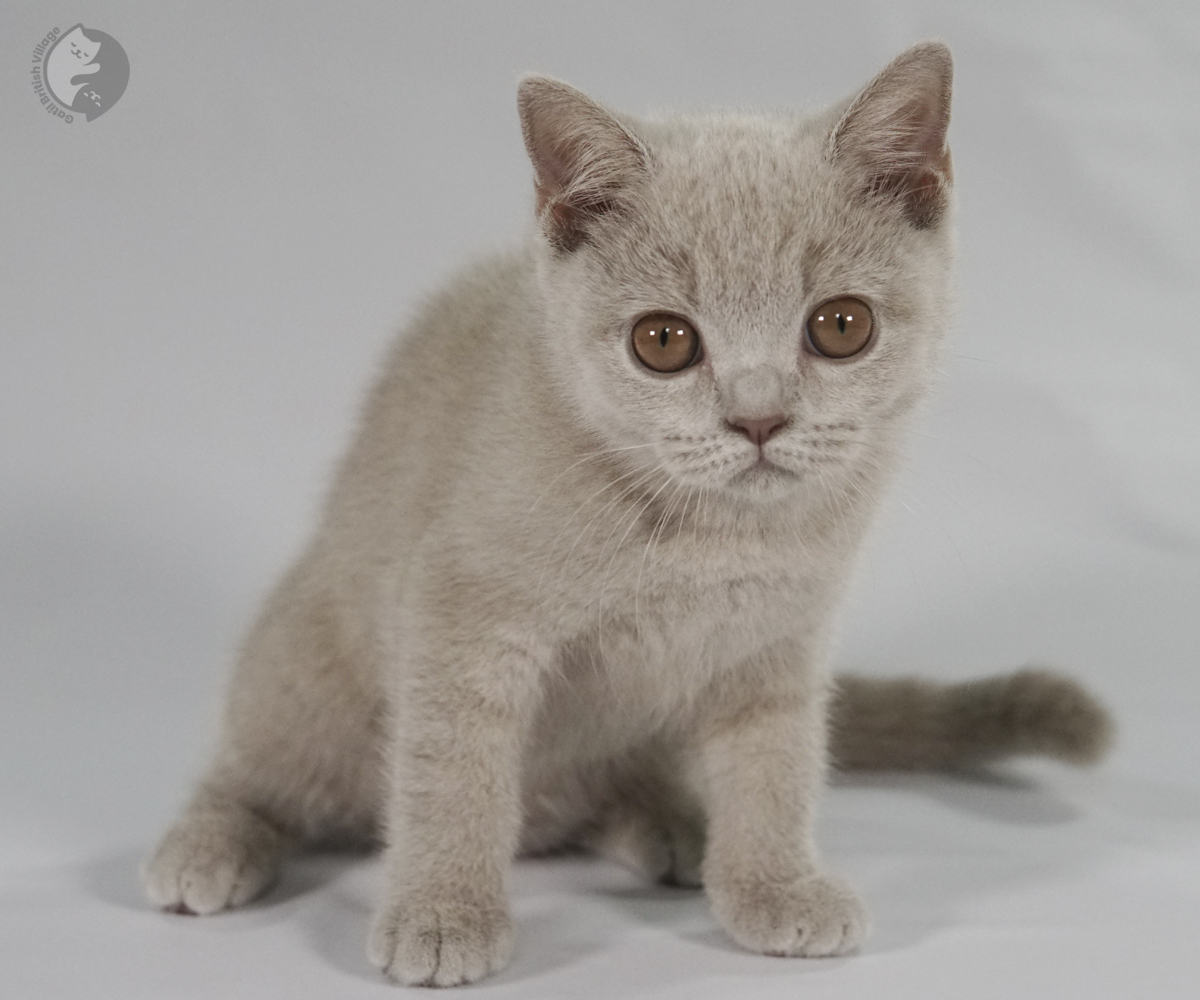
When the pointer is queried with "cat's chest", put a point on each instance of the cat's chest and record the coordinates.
(642, 660)
(652, 634)
(715, 575)
(676, 615)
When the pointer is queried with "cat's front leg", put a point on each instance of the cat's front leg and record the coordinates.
(763, 763)
(461, 714)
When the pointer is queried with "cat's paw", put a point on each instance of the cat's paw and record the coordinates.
(441, 942)
(210, 862)
(812, 917)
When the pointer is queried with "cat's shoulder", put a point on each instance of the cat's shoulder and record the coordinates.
(484, 291)
(466, 325)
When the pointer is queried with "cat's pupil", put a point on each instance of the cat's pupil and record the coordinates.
(662, 337)
(841, 321)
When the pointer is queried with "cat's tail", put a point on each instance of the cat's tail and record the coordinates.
(912, 724)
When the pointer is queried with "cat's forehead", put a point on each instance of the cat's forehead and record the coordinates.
(747, 212)
(751, 177)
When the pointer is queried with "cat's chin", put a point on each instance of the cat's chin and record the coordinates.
(764, 479)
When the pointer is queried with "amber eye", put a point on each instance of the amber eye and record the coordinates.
(840, 328)
(665, 343)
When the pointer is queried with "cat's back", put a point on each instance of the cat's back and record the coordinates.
(450, 372)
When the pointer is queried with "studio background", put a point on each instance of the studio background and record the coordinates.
(197, 287)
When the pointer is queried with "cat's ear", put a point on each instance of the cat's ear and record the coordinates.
(893, 134)
(583, 158)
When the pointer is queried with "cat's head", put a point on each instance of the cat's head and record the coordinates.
(79, 46)
(748, 303)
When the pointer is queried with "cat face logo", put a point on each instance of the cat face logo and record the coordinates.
(86, 70)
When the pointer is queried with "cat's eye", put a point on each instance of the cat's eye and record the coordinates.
(665, 343)
(840, 328)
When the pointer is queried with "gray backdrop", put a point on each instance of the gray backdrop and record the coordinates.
(197, 286)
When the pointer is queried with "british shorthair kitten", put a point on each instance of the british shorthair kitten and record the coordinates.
(576, 580)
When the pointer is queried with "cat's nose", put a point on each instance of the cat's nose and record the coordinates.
(755, 401)
(758, 429)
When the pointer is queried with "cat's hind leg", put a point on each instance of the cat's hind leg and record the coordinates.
(297, 763)
(662, 848)
(220, 854)
(636, 811)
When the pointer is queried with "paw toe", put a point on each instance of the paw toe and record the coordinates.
(815, 917)
(441, 945)
(203, 868)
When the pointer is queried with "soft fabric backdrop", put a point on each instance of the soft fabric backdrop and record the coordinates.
(196, 287)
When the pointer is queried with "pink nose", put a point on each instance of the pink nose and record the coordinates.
(759, 430)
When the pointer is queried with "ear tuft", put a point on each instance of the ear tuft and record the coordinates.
(893, 135)
(583, 158)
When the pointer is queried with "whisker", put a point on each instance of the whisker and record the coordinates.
(616, 552)
(608, 485)
(653, 534)
(583, 458)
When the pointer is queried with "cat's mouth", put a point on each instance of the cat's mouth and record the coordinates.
(763, 472)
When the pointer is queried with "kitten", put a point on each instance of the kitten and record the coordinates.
(576, 579)
(71, 60)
